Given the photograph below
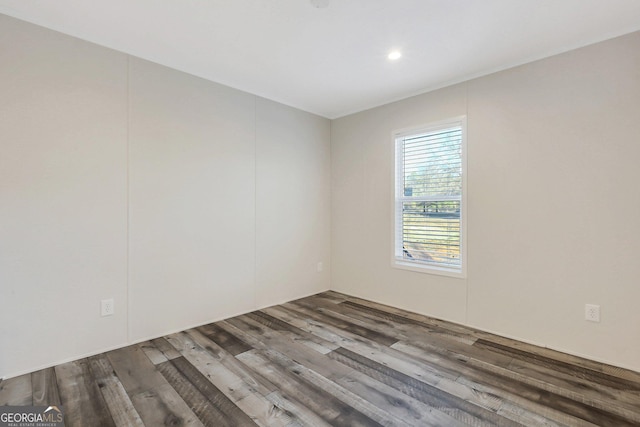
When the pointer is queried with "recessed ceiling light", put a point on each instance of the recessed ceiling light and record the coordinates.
(394, 55)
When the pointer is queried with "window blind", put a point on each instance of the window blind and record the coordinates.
(429, 189)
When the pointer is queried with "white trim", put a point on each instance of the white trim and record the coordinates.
(139, 341)
(397, 195)
(433, 126)
(62, 361)
(463, 203)
(429, 198)
(559, 349)
(424, 267)
(127, 344)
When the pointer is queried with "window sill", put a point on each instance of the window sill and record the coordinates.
(427, 269)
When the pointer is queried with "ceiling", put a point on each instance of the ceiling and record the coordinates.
(332, 61)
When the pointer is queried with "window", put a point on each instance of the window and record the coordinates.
(429, 198)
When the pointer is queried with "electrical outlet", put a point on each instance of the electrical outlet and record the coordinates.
(107, 307)
(320, 267)
(592, 312)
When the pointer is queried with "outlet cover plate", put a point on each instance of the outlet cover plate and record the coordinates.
(107, 307)
(592, 312)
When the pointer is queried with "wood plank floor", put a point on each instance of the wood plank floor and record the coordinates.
(331, 359)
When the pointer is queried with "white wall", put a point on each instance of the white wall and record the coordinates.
(292, 203)
(553, 203)
(121, 178)
(176, 196)
(63, 196)
(192, 200)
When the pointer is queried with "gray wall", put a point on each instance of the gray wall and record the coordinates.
(553, 203)
(176, 196)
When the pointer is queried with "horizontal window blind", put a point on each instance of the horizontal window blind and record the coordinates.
(429, 189)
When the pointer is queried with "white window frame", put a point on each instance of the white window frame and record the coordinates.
(397, 259)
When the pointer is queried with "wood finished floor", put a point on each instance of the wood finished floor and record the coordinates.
(333, 360)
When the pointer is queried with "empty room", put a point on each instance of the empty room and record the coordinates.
(319, 213)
